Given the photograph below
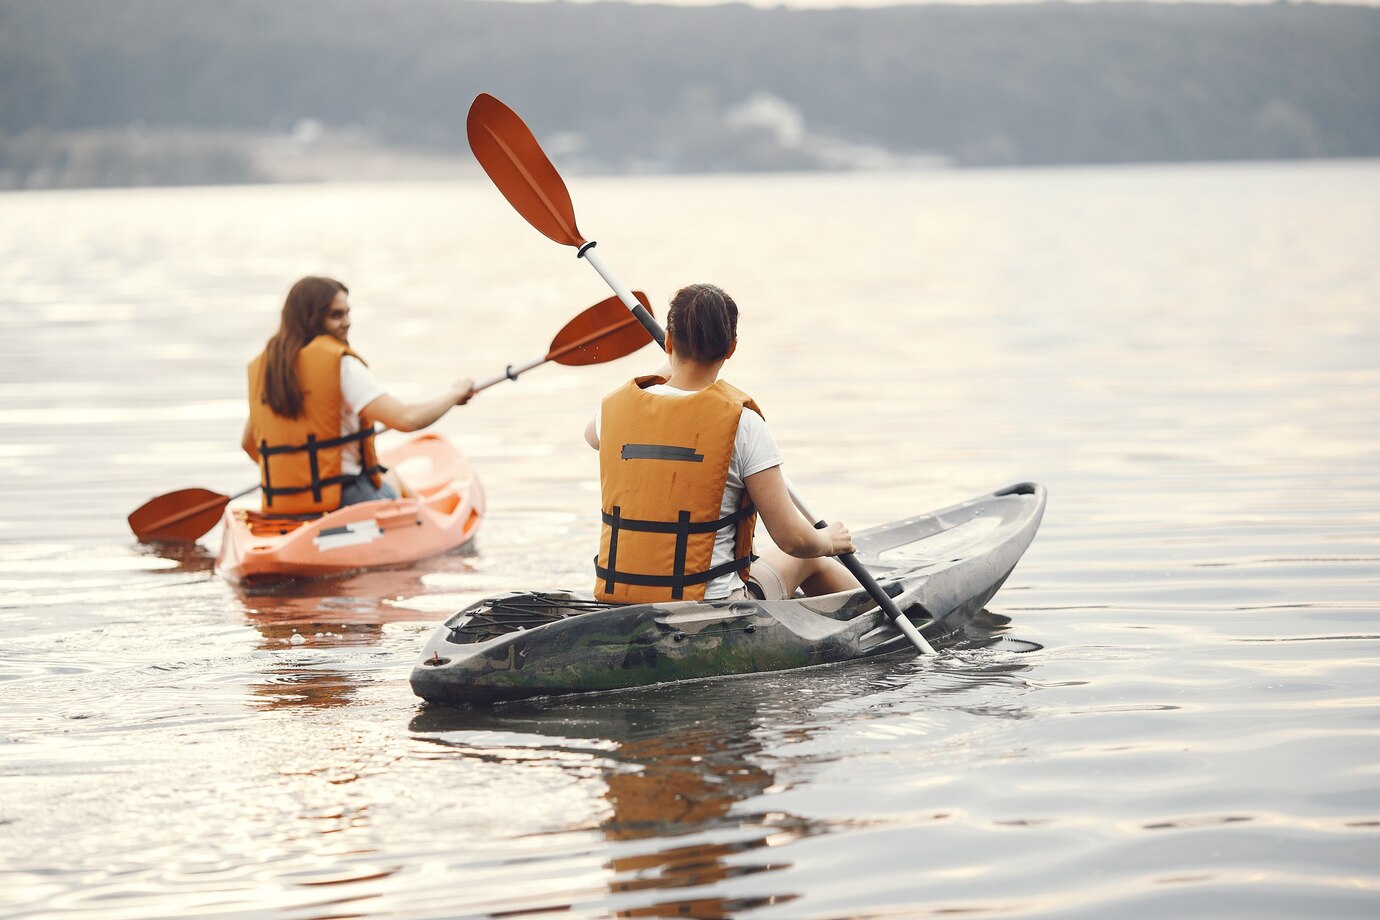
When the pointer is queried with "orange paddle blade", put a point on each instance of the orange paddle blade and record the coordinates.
(178, 517)
(505, 147)
(604, 332)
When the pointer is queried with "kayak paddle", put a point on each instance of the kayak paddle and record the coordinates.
(510, 154)
(604, 332)
(181, 516)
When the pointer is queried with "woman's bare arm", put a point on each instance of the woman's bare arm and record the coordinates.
(400, 416)
(788, 528)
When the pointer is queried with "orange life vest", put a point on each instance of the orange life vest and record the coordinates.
(299, 458)
(663, 462)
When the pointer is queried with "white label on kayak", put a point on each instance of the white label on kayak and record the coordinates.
(348, 535)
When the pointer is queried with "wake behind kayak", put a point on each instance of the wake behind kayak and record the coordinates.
(941, 568)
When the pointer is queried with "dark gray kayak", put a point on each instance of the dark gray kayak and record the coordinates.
(941, 568)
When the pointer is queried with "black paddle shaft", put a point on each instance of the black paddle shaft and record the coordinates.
(632, 303)
(864, 577)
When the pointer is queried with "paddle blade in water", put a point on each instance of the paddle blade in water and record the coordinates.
(510, 154)
(604, 332)
(178, 517)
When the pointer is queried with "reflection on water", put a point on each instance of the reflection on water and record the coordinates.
(665, 776)
(347, 611)
(1179, 719)
(288, 687)
(363, 598)
(693, 771)
(187, 558)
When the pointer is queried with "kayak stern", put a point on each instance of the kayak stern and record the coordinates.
(444, 514)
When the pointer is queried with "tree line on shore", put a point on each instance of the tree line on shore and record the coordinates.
(167, 91)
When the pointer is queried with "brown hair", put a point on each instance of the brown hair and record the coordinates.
(304, 315)
(702, 322)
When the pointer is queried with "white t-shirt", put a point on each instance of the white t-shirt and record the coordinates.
(358, 388)
(754, 450)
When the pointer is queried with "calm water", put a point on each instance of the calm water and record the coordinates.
(1188, 358)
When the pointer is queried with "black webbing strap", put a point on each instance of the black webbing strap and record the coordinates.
(360, 435)
(682, 528)
(312, 447)
(267, 486)
(315, 468)
(678, 567)
(674, 526)
(614, 522)
(322, 483)
(668, 581)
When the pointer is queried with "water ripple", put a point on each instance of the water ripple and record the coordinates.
(1178, 719)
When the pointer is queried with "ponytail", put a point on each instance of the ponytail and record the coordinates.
(702, 323)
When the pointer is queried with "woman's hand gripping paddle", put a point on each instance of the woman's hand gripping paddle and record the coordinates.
(510, 154)
(602, 333)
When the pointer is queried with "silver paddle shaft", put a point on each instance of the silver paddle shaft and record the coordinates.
(510, 374)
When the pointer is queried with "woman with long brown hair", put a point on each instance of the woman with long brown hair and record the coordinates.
(313, 405)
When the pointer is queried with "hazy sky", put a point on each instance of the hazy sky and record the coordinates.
(826, 4)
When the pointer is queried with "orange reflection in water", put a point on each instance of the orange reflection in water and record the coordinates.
(341, 612)
(666, 777)
(683, 783)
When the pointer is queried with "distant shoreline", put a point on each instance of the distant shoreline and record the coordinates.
(138, 158)
(164, 159)
(170, 92)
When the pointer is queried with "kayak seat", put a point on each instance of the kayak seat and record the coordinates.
(508, 613)
(446, 503)
(273, 525)
(430, 467)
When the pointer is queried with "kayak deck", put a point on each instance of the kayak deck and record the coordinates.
(941, 568)
(445, 513)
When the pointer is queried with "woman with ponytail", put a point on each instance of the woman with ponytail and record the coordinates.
(686, 466)
(313, 405)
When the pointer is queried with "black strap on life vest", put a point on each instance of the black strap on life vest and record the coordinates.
(682, 527)
(312, 447)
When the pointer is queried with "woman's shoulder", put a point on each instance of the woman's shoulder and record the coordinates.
(753, 423)
(357, 381)
(352, 365)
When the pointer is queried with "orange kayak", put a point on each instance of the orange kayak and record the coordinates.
(447, 510)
